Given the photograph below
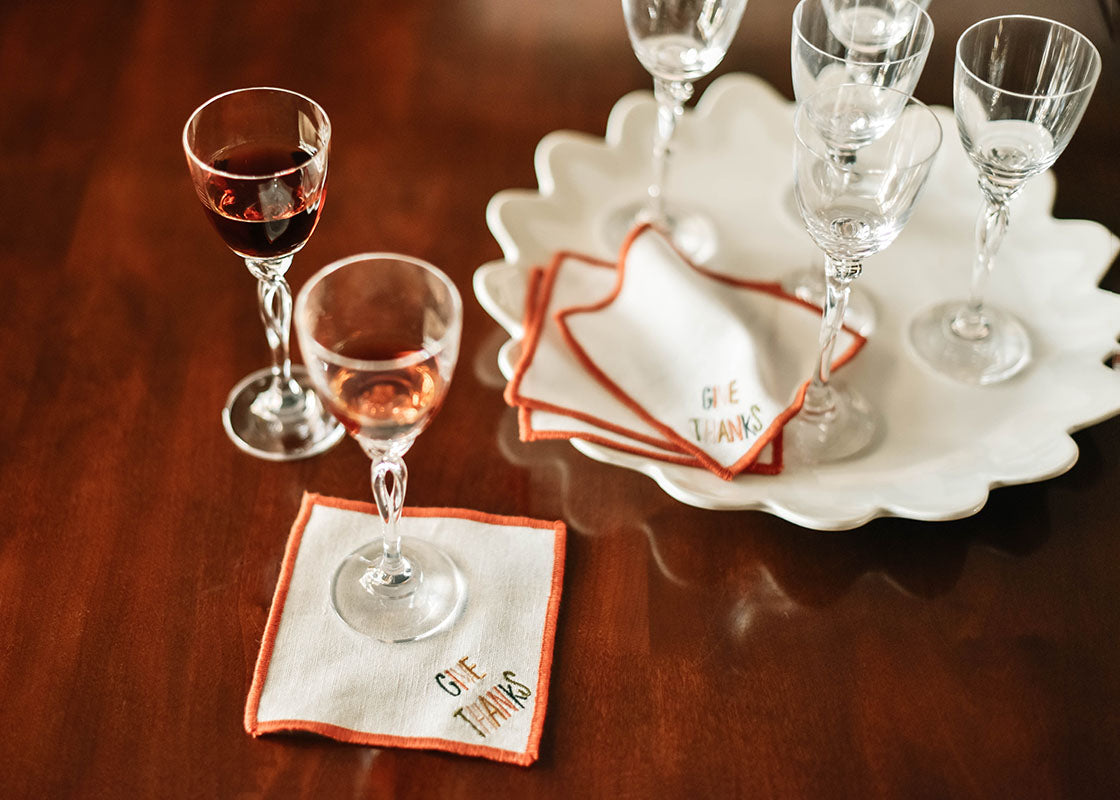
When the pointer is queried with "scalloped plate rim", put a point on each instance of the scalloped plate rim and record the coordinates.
(855, 513)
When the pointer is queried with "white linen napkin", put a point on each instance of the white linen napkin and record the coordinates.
(665, 359)
(478, 688)
(563, 399)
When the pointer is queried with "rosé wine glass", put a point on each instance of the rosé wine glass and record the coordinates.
(379, 333)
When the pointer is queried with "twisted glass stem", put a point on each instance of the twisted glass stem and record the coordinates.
(838, 280)
(275, 303)
(389, 477)
(991, 225)
(671, 97)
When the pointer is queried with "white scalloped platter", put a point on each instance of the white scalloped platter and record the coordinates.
(943, 445)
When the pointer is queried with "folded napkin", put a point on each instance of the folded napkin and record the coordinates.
(478, 688)
(567, 385)
(659, 357)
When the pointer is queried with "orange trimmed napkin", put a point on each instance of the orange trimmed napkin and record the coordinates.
(656, 356)
(479, 688)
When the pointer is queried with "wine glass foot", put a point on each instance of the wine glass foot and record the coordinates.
(691, 232)
(429, 601)
(845, 429)
(808, 285)
(267, 424)
(991, 359)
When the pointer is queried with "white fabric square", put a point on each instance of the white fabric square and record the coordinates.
(478, 688)
(665, 359)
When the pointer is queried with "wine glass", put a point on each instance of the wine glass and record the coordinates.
(852, 207)
(380, 335)
(258, 160)
(1021, 85)
(872, 42)
(677, 41)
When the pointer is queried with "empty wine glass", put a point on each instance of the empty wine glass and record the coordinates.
(677, 41)
(1021, 86)
(852, 207)
(258, 159)
(872, 42)
(380, 335)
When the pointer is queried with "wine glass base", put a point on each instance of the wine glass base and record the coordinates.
(846, 429)
(808, 285)
(304, 430)
(429, 601)
(998, 356)
(691, 232)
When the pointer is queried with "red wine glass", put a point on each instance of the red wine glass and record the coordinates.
(380, 335)
(258, 159)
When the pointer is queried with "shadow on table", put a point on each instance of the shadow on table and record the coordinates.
(814, 568)
(691, 546)
(708, 567)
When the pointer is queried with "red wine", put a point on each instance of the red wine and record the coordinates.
(387, 404)
(263, 218)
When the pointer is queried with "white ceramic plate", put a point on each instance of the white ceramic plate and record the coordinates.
(943, 446)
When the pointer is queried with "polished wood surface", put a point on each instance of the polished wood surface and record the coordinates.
(699, 654)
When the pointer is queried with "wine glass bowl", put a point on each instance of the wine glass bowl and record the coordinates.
(380, 335)
(1039, 76)
(853, 207)
(832, 44)
(263, 196)
(383, 332)
(872, 27)
(681, 40)
(854, 118)
(677, 42)
(1021, 85)
(258, 162)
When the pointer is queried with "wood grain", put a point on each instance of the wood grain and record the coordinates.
(699, 654)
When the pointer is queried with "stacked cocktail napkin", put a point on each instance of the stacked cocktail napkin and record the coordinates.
(479, 687)
(656, 356)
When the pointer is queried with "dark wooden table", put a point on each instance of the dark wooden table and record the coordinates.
(699, 654)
